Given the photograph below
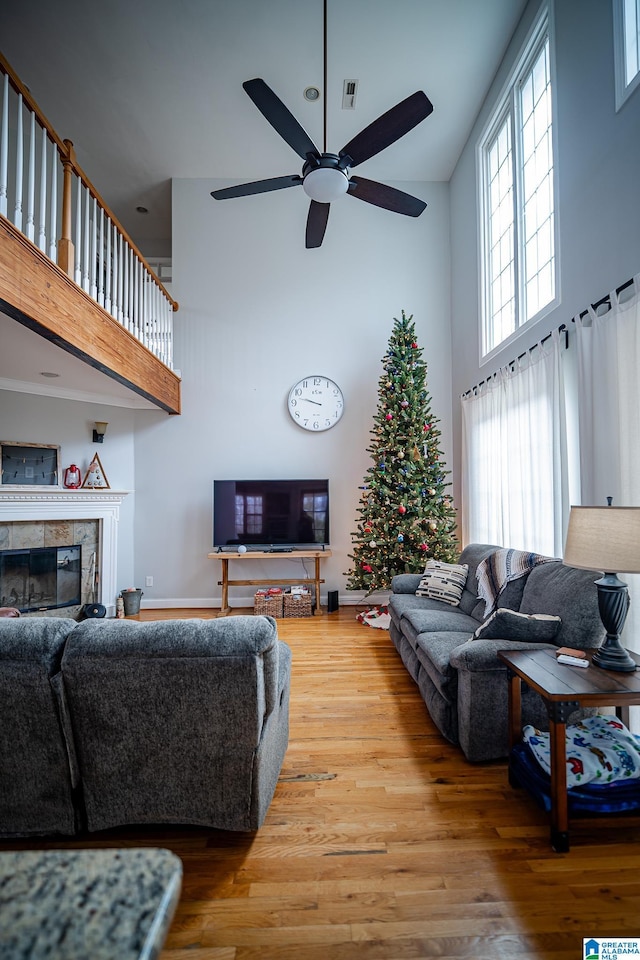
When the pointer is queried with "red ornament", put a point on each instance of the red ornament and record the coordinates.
(423, 547)
(415, 346)
(367, 568)
(427, 426)
(402, 508)
(389, 416)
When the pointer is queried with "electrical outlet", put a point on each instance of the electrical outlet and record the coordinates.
(148, 581)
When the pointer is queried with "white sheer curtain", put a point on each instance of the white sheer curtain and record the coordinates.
(609, 417)
(514, 475)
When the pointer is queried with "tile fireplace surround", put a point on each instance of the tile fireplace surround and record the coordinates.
(52, 505)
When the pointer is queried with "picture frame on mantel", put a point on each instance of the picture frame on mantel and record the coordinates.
(28, 465)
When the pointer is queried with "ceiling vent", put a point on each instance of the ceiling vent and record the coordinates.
(349, 94)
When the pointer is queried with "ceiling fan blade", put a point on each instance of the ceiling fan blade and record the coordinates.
(316, 223)
(388, 128)
(280, 117)
(257, 186)
(384, 196)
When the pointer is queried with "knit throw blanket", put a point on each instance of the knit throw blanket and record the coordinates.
(499, 569)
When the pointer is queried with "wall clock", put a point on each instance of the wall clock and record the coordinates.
(315, 403)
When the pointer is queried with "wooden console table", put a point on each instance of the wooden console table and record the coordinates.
(225, 583)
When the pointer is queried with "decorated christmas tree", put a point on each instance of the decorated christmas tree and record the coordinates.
(406, 515)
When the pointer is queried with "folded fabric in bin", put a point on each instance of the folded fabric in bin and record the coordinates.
(599, 749)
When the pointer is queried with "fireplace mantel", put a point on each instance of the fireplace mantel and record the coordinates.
(57, 504)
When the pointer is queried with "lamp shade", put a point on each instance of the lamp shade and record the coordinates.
(604, 538)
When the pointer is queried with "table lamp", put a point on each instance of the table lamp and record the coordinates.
(607, 539)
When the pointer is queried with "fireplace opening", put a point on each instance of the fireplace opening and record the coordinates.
(42, 578)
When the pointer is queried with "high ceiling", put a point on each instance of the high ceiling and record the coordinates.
(150, 90)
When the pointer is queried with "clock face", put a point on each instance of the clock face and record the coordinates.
(315, 403)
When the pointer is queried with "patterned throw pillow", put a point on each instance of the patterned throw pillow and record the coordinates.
(443, 581)
(504, 624)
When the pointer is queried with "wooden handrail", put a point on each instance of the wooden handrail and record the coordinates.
(70, 163)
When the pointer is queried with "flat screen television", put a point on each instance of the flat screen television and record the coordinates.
(263, 514)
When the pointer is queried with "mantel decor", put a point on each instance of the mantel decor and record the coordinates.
(29, 464)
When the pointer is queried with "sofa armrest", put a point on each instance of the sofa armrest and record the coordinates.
(406, 582)
(480, 656)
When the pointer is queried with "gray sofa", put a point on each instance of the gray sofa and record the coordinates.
(111, 722)
(461, 680)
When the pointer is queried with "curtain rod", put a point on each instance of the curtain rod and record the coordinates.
(561, 329)
(511, 363)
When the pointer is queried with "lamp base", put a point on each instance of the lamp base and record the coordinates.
(613, 604)
(611, 656)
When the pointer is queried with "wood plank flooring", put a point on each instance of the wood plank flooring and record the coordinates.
(382, 842)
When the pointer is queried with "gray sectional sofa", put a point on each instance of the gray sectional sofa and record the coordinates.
(461, 680)
(111, 722)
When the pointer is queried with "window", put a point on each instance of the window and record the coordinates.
(626, 36)
(517, 219)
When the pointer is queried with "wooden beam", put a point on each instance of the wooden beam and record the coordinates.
(36, 292)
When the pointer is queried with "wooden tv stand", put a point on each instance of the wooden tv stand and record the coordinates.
(225, 583)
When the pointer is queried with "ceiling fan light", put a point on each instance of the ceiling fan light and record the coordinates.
(325, 184)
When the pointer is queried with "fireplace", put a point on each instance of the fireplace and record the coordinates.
(41, 578)
(91, 518)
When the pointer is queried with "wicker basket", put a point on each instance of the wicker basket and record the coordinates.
(268, 604)
(297, 605)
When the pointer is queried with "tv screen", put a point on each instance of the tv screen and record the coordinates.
(265, 513)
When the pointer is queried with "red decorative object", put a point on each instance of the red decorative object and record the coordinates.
(72, 477)
(414, 346)
(389, 416)
(402, 508)
(367, 568)
(423, 547)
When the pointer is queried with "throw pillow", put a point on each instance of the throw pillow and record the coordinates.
(443, 581)
(504, 624)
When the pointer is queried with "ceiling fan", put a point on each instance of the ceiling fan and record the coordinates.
(327, 176)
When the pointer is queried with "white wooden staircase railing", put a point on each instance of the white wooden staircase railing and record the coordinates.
(46, 195)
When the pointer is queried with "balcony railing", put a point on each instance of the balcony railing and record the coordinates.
(48, 197)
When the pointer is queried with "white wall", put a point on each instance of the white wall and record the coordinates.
(257, 312)
(599, 185)
(69, 424)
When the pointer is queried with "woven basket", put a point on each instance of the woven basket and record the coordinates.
(268, 605)
(297, 605)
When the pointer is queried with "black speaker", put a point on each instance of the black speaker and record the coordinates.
(93, 611)
(332, 601)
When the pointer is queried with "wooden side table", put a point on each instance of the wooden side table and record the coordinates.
(564, 689)
(225, 583)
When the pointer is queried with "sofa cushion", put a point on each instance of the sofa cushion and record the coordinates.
(405, 582)
(36, 750)
(473, 555)
(512, 625)
(568, 593)
(446, 619)
(401, 603)
(443, 581)
(434, 653)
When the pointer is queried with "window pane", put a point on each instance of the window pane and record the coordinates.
(537, 177)
(631, 40)
(500, 261)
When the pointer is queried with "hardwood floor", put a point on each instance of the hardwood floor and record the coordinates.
(383, 842)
